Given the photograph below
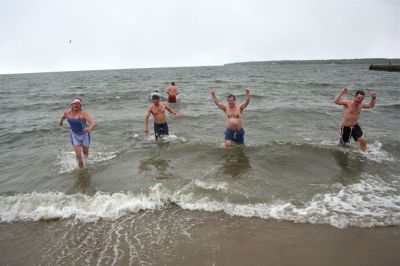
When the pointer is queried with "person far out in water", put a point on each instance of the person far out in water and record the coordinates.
(172, 92)
(157, 109)
(234, 132)
(351, 111)
(81, 124)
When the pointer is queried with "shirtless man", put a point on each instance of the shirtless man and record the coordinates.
(157, 109)
(80, 130)
(351, 112)
(234, 117)
(172, 93)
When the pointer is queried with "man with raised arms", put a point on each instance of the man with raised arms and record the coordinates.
(351, 112)
(157, 109)
(234, 117)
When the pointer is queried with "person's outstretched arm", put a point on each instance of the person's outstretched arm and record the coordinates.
(216, 101)
(246, 99)
(62, 118)
(338, 98)
(146, 120)
(371, 104)
(172, 111)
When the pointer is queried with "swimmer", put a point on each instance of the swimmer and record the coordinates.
(234, 117)
(172, 92)
(80, 130)
(157, 109)
(351, 111)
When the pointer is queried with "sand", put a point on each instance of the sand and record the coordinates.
(179, 237)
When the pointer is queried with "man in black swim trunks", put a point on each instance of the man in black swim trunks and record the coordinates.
(157, 109)
(351, 111)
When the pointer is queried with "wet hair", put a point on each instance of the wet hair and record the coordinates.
(173, 83)
(155, 97)
(231, 96)
(360, 92)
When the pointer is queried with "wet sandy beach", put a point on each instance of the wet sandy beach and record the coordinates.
(165, 238)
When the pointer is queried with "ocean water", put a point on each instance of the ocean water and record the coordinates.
(290, 168)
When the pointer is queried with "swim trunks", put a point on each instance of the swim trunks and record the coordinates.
(172, 98)
(347, 132)
(235, 136)
(81, 140)
(160, 130)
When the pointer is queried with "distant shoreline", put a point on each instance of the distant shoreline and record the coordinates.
(368, 61)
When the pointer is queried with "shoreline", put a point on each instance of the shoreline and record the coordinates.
(180, 237)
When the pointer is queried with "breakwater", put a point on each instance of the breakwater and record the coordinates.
(393, 68)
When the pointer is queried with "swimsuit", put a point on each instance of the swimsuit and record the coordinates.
(347, 132)
(78, 136)
(235, 136)
(172, 98)
(81, 140)
(160, 130)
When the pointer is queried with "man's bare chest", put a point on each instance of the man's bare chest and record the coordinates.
(158, 110)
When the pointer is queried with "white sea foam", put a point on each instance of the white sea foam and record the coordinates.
(100, 156)
(165, 139)
(329, 143)
(377, 154)
(374, 150)
(218, 186)
(169, 138)
(66, 160)
(57, 205)
(370, 202)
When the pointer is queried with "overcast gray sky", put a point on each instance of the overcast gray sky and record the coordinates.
(35, 35)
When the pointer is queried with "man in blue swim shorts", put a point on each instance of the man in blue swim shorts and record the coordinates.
(234, 117)
(80, 129)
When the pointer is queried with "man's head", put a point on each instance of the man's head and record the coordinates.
(359, 97)
(231, 100)
(173, 83)
(155, 97)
